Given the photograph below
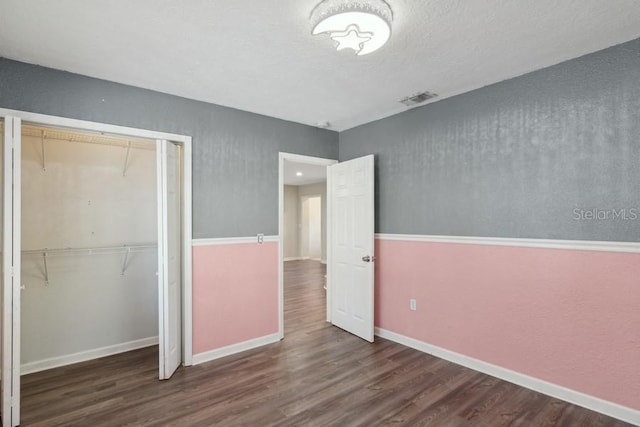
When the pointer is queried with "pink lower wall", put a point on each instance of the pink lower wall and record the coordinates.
(568, 317)
(235, 294)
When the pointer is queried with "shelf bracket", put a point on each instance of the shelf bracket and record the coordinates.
(42, 137)
(126, 159)
(46, 268)
(124, 263)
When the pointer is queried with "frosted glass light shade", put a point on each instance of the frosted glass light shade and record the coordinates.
(363, 26)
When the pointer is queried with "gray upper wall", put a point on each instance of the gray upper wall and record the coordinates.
(515, 159)
(235, 153)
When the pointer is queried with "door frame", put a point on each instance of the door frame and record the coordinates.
(11, 263)
(298, 158)
(186, 143)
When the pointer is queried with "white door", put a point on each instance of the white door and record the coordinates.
(10, 383)
(350, 256)
(169, 259)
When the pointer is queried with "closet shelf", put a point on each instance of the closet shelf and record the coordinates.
(90, 138)
(48, 134)
(107, 250)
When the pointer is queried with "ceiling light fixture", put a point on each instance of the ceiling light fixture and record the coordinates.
(361, 25)
(299, 174)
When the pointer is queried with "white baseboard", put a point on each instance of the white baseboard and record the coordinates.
(295, 258)
(590, 402)
(235, 348)
(69, 359)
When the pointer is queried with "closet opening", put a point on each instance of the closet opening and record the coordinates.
(89, 246)
(76, 207)
(91, 223)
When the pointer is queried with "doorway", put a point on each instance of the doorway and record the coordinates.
(350, 245)
(172, 214)
(303, 231)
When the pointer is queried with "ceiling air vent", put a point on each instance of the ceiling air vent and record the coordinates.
(418, 98)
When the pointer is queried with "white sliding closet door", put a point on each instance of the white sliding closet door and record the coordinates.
(10, 383)
(169, 259)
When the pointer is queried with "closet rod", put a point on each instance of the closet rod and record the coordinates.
(92, 251)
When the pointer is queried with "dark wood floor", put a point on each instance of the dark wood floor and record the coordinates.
(318, 376)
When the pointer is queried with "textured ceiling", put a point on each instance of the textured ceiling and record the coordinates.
(259, 56)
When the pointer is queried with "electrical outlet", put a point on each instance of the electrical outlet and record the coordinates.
(260, 238)
(412, 304)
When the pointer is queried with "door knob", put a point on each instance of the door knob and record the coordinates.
(368, 258)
